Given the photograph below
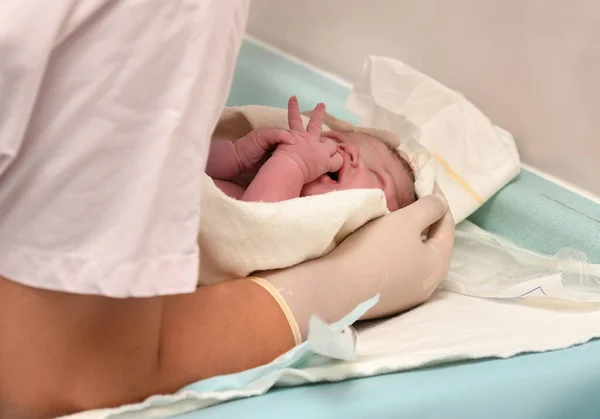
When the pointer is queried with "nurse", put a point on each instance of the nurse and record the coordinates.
(106, 111)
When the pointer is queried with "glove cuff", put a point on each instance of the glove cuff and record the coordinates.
(295, 329)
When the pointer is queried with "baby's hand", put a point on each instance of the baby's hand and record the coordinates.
(252, 148)
(314, 155)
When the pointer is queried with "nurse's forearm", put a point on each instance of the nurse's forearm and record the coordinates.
(243, 327)
(277, 180)
(63, 353)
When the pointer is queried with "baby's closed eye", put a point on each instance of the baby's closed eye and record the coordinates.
(379, 178)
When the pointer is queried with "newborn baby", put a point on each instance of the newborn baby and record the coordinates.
(286, 164)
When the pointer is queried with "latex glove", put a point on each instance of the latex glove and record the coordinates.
(386, 256)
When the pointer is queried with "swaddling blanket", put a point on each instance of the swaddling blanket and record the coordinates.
(237, 237)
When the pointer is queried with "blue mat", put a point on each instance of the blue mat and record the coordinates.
(530, 211)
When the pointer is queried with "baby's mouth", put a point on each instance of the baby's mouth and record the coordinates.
(333, 176)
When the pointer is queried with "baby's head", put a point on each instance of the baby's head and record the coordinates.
(368, 164)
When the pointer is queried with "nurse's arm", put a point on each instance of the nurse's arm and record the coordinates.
(62, 353)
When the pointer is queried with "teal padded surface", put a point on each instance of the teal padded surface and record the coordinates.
(541, 216)
(530, 211)
(552, 385)
(265, 78)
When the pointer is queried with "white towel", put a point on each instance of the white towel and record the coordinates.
(237, 238)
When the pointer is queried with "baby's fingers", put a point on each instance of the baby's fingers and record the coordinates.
(270, 137)
(294, 117)
(315, 123)
(335, 163)
(330, 145)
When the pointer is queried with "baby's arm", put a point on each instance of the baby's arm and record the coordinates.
(222, 163)
(279, 179)
(229, 159)
(294, 165)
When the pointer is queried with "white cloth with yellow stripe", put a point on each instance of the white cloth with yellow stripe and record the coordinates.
(474, 158)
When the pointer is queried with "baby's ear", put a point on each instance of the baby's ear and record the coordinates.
(334, 123)
(232, 125)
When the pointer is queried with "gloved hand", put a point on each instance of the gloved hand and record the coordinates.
(386, 256)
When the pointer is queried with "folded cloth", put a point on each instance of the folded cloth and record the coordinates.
(237, 238)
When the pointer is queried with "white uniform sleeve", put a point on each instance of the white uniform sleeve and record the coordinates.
(106, 111)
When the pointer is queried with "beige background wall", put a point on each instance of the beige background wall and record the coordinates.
(533, 66)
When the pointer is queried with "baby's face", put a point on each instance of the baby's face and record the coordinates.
(368, 164)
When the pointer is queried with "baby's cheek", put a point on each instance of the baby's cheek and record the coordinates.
(313, 188)
(392, 203)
